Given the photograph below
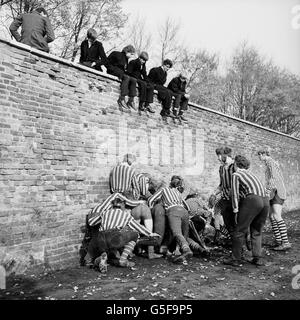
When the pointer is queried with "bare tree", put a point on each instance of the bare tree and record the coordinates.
(169, 39)
(3, 2)
(138, 36)
(203, 83)
(262, 92)
(75, 18)
(71, 20)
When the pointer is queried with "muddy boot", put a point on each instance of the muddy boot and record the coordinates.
(184, 256)
(257, 262)
(126, 264)
(152, 254)
(233, 262)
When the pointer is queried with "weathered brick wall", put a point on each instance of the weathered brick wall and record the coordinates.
(60, 134)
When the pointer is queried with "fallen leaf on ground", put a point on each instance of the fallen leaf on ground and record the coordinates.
(189, 295)
(153, 294)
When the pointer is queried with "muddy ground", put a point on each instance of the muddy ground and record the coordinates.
(162, 280)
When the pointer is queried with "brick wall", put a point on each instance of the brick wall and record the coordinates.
(61, 133)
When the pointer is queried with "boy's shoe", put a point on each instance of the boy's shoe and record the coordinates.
(101, 262)
(183, 118)
(126, 264)
(185, 255)
(148, 108)
(170, 115)
(153, 255)
(233, 262)
(131, 104)
(283, 247)
(122, 104)
(275, 244)
(258, 262)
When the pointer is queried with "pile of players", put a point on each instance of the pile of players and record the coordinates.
(146, 218)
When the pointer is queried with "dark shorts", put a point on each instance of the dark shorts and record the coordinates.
(111, 240)
(276, 199)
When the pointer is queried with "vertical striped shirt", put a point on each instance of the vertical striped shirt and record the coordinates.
(243, 184)
(274, 179)
(170, 197)
(225, 173)
(122, 179)
(143, 185)
(94, 217)
(117, 218)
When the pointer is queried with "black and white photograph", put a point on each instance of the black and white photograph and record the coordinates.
(150, 153)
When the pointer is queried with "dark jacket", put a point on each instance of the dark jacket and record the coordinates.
(36, 30)
(137, 70)
(94, 53)
(158, 76)
(177, 86)
(117, 59)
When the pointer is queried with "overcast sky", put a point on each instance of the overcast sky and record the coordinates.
(220, 25)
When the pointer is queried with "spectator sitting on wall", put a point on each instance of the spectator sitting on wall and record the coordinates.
(92, 53)
(158, 77)
(178, 89)
(137, 69)
(117, 66)
(36, 31)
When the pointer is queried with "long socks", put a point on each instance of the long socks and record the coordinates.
(276, 230)
(127, 250)
(283, 231)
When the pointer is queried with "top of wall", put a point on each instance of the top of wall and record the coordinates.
(108, 76)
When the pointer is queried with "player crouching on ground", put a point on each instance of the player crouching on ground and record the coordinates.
(118, 230)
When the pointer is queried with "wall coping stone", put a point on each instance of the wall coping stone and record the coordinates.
(53, 57)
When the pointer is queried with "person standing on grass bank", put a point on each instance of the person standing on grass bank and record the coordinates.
(92, 53)
(276, 191)
(158, 76)
(250, 207)
(137, 69)
(117, 66)
(36, 31)
(178, 88)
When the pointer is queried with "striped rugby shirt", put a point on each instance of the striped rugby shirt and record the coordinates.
(143, 185)
(225, 172)
(243, 184)
(117, 218)
(122, 179)
(274, 179)
(170, 197)
(94, 217)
